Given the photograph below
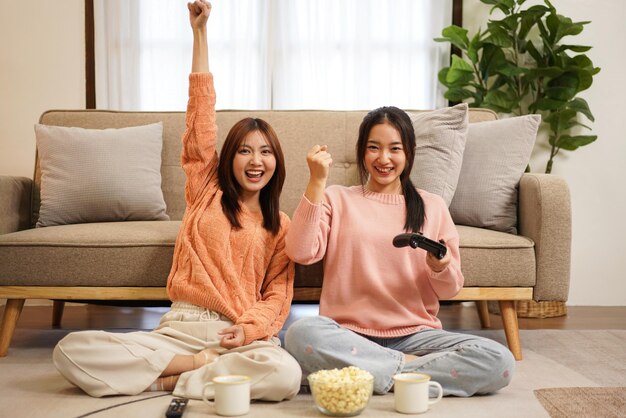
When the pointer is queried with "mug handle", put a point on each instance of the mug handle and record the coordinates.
(204, 397)
(439, 395)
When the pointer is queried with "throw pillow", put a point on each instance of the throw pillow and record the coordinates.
(440, 140)
(496, 155)
(93, 175)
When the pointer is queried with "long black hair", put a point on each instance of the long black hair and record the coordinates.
(398, 118)
(270, 194)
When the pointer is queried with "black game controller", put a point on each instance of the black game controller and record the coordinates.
(418, 240)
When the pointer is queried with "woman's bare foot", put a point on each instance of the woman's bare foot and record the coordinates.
(164, 384)
(410, 357)
(182, 363)
(206, 356)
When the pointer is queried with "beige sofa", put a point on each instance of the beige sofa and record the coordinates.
(131, 260)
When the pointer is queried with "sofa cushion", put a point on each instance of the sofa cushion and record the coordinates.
(496, 155)
(96, 254)
(440, 137)
(100, 175)
(492, 258)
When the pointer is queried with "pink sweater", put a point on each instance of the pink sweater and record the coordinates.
(370, 286)
(243, 273)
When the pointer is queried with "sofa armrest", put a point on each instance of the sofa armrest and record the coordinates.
(15, 203)
(545, 216)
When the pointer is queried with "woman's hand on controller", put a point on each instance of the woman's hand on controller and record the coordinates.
(435, 264)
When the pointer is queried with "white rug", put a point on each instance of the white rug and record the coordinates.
(31, 387)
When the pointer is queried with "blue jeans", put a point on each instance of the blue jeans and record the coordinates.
(464, 365)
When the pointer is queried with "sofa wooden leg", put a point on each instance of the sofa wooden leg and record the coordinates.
(57, 312)
(12, 312)
(511, 327)
(483, 313)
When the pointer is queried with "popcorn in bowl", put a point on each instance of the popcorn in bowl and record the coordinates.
(341, 393)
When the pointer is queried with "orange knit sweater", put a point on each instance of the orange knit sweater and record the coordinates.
(242, 273)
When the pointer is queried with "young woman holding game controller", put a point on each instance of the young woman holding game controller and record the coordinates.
(379, 303)
(231, 282)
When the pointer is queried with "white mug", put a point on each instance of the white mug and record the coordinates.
(411, 392)
(232, 395)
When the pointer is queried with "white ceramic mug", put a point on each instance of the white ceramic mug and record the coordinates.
(232, 395)
(411, 392)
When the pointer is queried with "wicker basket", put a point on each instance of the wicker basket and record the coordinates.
(543, 309)
(532, 309)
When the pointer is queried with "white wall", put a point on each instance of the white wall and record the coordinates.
(595, 173)
(42, 67)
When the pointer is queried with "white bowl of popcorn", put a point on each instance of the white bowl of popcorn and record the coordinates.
(341, 393)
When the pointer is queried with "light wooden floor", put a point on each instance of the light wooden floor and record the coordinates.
(453, 316)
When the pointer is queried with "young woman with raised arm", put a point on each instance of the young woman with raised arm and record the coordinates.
(231, 282)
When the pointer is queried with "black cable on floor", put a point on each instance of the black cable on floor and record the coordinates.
(122, 404)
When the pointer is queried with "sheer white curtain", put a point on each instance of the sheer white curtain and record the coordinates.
(143, 54)
(274, 54)
(359, 54)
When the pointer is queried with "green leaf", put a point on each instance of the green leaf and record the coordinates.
(499, 101)
(585, 80)
(474, 46)
(570, 124)
(560, 93)
(560, 121)
(442, 76)
(569, 79)
(500, 81)
(456, 35)
(580, 105)
(491, 60)
(529, 18)
(581, 124)
(460, 72)
(537, 10)
(553, 26)
(570, 143)
(499, 36)
(460, 65)
(547, 72)
(548, 104)
(504, 5)
(561, 26)
(458, 94)
(509, 23)
(581, 61)
(530, 47)
(511, 71)
(575, 48)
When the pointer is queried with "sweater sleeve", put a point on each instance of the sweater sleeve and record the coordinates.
(307, 238)
(198, 157)
(268, 315)
(448, 282)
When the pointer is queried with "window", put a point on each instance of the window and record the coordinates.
(274, 54)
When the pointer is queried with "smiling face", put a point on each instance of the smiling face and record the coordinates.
(253, 165)
(384, 159)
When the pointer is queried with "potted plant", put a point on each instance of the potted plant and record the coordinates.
(520, 65)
